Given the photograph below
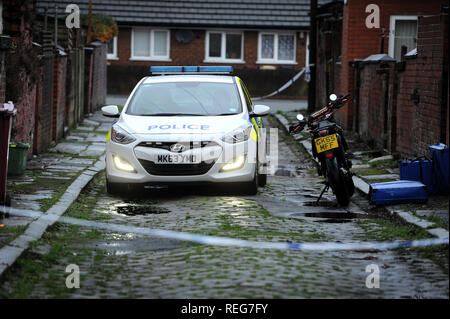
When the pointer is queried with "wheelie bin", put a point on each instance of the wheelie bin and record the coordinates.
(17, 158)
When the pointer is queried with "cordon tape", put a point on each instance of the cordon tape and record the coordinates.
(285, 86)
(224, 241)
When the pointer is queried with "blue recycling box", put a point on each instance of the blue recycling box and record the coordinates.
(439, 154)
(397, 192)
(420, 170)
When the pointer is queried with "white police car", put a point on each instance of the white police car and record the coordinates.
(187, 125)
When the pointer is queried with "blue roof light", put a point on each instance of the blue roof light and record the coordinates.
(216, 69)
(164, 69)
(191, 69)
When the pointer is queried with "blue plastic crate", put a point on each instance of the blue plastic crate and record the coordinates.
(440, 156)
(420, 170)
(397, 192)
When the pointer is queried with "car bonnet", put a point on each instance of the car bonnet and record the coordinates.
(176, 125)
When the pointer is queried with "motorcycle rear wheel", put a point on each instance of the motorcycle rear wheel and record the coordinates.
(337, 182)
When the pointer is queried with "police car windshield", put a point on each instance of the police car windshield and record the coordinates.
(185, 99)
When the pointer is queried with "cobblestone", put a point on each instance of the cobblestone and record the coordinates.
(129, 266)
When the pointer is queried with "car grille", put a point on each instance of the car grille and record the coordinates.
(166, 145)
(176, 169)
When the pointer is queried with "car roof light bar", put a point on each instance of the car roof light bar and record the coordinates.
(191, 69)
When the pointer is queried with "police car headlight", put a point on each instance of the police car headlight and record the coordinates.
(122, 164)
(119, 135)
(235, 164)
(239, 135)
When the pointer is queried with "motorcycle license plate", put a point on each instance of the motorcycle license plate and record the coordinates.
(326, 143)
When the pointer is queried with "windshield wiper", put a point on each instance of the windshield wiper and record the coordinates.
(226, 114)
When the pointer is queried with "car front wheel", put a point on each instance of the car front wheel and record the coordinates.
(251, 188)
(262, 179)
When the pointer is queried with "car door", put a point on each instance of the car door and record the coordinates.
(257, 123)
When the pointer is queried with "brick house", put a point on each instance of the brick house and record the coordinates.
(373, 65)
(252, 36)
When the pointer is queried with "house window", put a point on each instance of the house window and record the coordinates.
(276, 47)
(112, 49)
(224, 47)
(150, 45)
(403, 33)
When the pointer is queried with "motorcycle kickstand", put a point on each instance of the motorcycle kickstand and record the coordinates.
(327, 186)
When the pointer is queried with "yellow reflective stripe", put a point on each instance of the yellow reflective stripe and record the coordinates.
(255, 124)
(244, 88)
(254, 135)
(108, 136)
(255, 130)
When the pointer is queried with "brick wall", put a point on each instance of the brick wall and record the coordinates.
(44, 109)
(404, 106)
(23, 128)
(75, 87)
(424, 122)
(359, 42)
(88, 70)
(59, 96)
(21, 80)
(99, 77)
(372, 116)
(2, 76)
(95, 77)
(193, 53)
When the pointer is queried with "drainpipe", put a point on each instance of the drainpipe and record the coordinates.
(312, 56)
(56, 25)
(356, 64)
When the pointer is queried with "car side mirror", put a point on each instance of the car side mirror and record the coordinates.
(259, 110)
(111, 111)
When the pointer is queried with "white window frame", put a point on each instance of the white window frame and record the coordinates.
(222, 58)
(275, 59)
(152, 56)
(113, 56)
(394, 19)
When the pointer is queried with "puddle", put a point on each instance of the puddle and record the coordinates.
(365, 251)
(311, 196)
(335, 217)
(135, 209)
(364, 258)
(284, 172)
(125, 247)
(334, 221)
(322, 203)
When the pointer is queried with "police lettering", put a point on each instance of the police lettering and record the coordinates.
(202, 127)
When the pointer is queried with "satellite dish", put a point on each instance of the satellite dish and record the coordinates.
(184, 36)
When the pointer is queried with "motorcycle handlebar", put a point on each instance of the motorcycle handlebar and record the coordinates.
(330, 108)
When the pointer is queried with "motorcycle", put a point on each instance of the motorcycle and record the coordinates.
(329, 147)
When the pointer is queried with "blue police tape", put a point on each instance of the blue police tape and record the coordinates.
(224, 241)
(286, 85)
